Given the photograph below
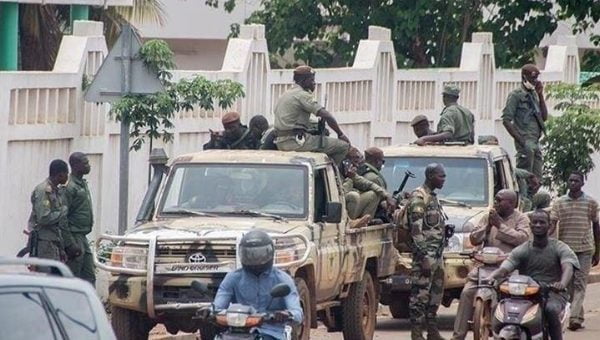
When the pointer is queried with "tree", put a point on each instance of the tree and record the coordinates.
(42, 27)
(572, 137)
(425, 33)
(150, 116)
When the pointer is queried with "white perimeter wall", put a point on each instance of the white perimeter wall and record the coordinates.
(43, 115)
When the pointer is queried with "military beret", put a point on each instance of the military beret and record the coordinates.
(374, 151)
(230, 117)
(418, 119)
(304, 69)
(451, 90)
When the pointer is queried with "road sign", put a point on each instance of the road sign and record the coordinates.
(122, 73)
(113, 80)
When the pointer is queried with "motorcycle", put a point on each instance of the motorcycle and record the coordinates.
(486, 298)
(520, 313)
(239, 321)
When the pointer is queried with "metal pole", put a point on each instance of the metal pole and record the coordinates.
(9, 36)
(124, 137)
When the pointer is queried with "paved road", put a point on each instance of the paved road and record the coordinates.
(388, 328)
(391, 329)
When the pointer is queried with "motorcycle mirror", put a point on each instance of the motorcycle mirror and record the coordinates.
(199, 287)
(280, 290)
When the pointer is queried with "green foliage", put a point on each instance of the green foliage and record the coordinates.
(425, 33)
(572, 137)
(151, 116)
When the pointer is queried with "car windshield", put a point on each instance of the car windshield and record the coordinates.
(466, 178)
(212, 189)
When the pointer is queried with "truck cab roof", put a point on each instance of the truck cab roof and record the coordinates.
(474, 151)
(252, 156)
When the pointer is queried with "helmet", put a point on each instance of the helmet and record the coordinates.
(257, 252)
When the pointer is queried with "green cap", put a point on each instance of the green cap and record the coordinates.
(451, 90)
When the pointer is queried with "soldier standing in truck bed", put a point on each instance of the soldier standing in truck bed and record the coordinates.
(292, 120)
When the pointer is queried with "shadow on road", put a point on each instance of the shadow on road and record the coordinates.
(446, 322)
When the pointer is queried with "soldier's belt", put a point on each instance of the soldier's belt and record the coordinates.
(290, 133)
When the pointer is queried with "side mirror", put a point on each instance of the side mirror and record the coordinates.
(280, 290)
(333, 212)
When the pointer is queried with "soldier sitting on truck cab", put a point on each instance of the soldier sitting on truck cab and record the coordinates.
(235, 135)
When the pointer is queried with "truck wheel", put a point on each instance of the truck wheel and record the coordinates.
(399, 307)
(360, 310)
(207, 331)
(481, 320)
(129, 324)
(302, 332)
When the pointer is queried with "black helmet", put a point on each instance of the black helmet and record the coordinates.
(257, 252)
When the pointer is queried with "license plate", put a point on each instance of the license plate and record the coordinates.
(170, 268)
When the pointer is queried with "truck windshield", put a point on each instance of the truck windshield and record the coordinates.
(229, 188)
(466, 178)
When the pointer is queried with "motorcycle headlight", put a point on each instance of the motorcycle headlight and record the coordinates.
(129, 257)
(454, 244)
(236, 319)
(530, 314)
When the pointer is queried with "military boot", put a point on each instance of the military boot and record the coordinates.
(416, 332)
(433, 333)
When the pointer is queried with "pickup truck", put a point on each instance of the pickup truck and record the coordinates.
(190, 225)
(474, 174)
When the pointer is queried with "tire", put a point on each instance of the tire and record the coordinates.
(208, 331)
(399, 307)
(302, 332)
(360, 310)
(129, 324)
(482, 320)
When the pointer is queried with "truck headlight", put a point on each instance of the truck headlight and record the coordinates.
(129, 257)
(288, 250)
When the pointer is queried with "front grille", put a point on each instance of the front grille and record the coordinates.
(167, 253)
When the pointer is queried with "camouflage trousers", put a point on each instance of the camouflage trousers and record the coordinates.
(426, 291)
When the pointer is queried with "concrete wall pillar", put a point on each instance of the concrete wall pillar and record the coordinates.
(9, 36)
(79, 12)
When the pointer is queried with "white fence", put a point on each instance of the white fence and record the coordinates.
(43, 115)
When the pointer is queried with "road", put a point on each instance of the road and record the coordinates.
(391, 329)
(388, 328)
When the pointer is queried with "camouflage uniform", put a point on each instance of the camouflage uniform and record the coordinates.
(523, 110)
(362, 196)
(426, 221)
(81, 219)
(292, 121)
(48, 218)
(371, 173)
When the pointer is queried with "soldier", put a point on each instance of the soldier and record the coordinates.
(456, 122)
(292, 120)
(420, 125)
(362, 196)
(49, 214)
(370, 169)
(81, 219)
(258, 126)
(426, 221)
(235, 136)
(524, 117)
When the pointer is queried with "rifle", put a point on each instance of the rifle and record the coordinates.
(321, 127)
(397, 192)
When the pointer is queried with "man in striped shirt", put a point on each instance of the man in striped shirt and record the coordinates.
(576, 217)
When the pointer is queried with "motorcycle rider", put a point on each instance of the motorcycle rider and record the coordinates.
(503, 227)
(252, 284)
(547, 261)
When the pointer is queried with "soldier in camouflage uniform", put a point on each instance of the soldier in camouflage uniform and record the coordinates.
(426, 221)
(81, 219)
(292, 120)
(524, 116)
(49, 214)
(235, 136)
(457, 123)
